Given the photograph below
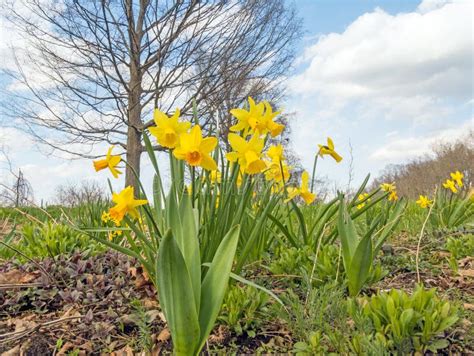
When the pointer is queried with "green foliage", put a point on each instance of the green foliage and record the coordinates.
(318, 321)
(359, 252)
(460, 246)
(403, 322)
(243, 308)
(451, 210)
(50, 239)
(300, 261)
(145, 341)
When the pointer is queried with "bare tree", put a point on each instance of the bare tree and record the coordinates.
(19, 192)
(422, 175)
(104, 65)
(71, 195)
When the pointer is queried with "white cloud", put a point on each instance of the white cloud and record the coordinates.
(402, 149)
(409, 62)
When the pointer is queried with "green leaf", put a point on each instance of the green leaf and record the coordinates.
(360, 265)
(347, 233)
(176, 297)
(215, 283)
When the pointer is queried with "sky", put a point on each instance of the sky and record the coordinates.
(385, 79)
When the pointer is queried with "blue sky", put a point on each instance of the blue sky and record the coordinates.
(389, 78)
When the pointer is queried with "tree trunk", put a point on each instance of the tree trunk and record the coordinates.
(133, 157)
(134, 133)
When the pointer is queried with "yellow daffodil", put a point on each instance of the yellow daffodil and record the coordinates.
(125, 203)
(393, 196)
(277, 187)
(109, 162)
(449, 184)
(247, 154)
(388, 187)
(277, 171)
(195, 149)
(243, 116)
(275, 153)
(168, 129)
(329, 150)
(105, 217)
(215, 176)
(457, 177)
(424, 201)
(264, 123)
(113, 234)
(361, 197)
(302, 191)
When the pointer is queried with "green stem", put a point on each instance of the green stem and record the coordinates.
(314, 171)
(193, 173)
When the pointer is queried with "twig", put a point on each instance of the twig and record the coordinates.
(19, 285)
(314, 266)
(22, 333)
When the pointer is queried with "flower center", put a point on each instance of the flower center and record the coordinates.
(193, 158)
(170, 137)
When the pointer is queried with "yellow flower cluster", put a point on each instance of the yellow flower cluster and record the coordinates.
(455, 183)
(362, 197)
(247, 140)
(187, 144)
(392, 189)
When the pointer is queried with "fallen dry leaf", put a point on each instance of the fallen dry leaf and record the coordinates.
(466, 272)
(12, 352)
(126, 351)
(18, 277)
(164, 335)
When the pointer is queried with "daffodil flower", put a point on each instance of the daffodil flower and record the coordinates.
(125, 203)
(109, 162)
(275, 153)
(302, 191)
(264, 123)
(195, 149)
(105, 217)
(329, 150)
(247, 154)
(424, 201)
(362, 197)
(168, 129)
(449, 184)
(388, 187)
(277, 171)
(215, 176)
(393, 196)
(244, 117)
(457, 177)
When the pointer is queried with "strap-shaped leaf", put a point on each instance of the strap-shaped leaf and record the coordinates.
(176, 297)
(215, 283)
(360, 265)
(347, 233)
(189, 245)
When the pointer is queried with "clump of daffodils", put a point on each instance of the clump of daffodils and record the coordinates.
(362, 198)
(248, 141)
(455, 183)
(391, 189)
